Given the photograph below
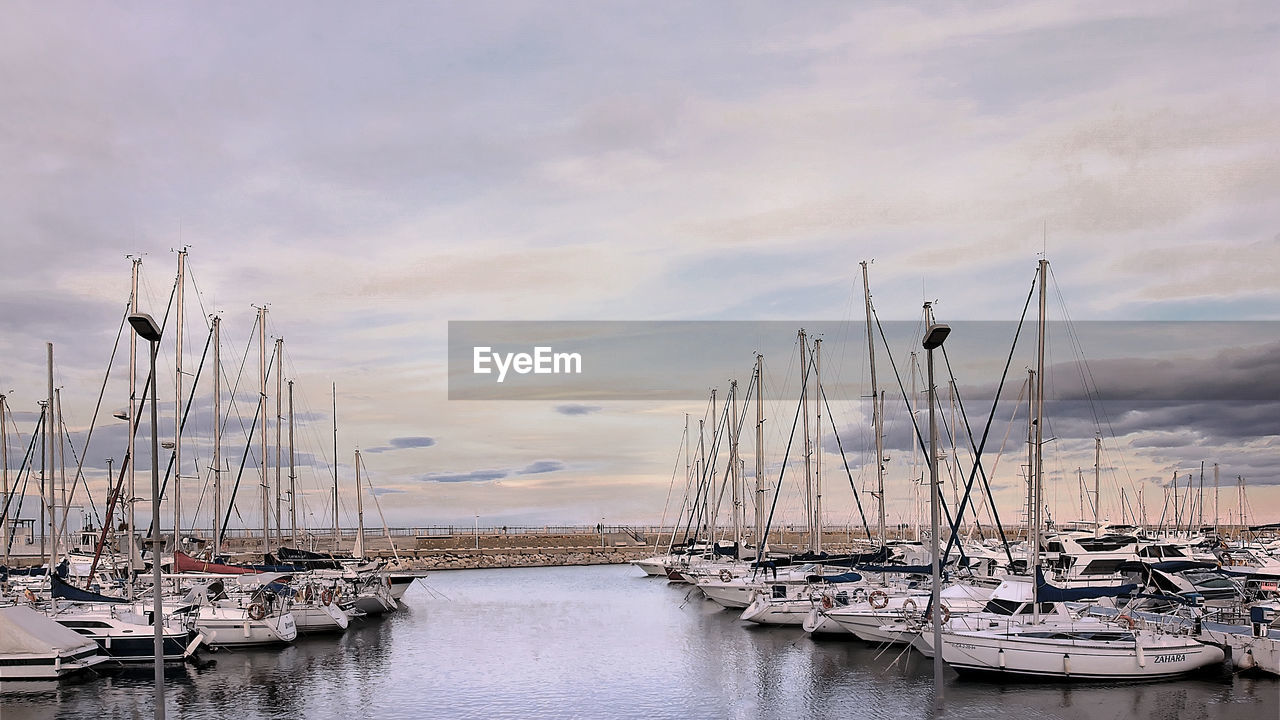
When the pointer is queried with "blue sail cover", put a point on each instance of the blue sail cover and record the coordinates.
(904, 569)
(62, 589)
(1052, 593)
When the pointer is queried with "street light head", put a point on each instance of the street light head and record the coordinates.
(145, 326)
(936, 335)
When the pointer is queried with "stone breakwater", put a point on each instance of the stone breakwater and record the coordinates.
(525, 557)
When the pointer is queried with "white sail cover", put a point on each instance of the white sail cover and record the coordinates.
(24, 631)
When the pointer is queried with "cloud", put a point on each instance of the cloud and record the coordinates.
(401, 443)
(542, 466)
(577, 409)
(478, 476)
(386, 491)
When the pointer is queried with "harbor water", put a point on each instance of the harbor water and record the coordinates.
(601, 642)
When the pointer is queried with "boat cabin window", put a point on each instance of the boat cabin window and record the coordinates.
(85, 624)
(996, 606)
(1102, 567)
(779, 592)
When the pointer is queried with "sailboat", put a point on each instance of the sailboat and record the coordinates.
(1028, 630)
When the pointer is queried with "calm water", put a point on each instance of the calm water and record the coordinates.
(601, 642)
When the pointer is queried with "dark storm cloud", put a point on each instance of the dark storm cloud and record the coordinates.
(577, 409)
(401, 443)
(542, 466)
(412, 442)
(473, 476)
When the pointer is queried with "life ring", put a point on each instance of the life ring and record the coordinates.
(860, 595)
(944, 611)
(326, 597)
(725, 575)
(879, 599)
(1126, 621)
(30, 596)
(909, 606)
(257, 611)
(827, 602)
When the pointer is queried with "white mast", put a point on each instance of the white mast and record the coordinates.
(808, 439)
(217, 434)
(47, 475)
(337, 532)
(736, 427)
(279, 419)
(1039, 444)
(1097, 484)
(177, 408)
(1215, 497)
(876, 420)
(817, 453)
(293, 497)
(915, 447)
(359, 551)
(133, 423)
(710, 473)
(4, 462)
(761, 488)
(262, 413)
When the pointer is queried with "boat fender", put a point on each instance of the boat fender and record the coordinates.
(909, 606)
(326, 597)
(257, 611)
(1066, 663)
(1142, 656)
(1246, 660)
(878, 599)
(725, 575)
(1001, 655)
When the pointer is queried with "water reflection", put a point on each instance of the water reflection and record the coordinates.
(601, 642)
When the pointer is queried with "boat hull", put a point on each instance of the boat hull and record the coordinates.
(997, 656)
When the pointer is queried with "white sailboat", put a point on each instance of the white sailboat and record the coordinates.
(1027, 631)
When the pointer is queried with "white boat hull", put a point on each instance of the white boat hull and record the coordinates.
(232, 627)
(989, 653)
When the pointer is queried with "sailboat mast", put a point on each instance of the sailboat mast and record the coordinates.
(1215, 500)
(133, 424)
(279, 422)
(293, 478)
(4, 463)
(177, 405)
(337, 532)
(1031, 460)
(817, 451)
(761, 488)
(736, 427)
(876, 420)
(262, 413)
(359, 550)
(700, 469)
(1039, 444)
(710, 473)
(46, 477)
(217, 434)
(1097, 484)
(808, 438)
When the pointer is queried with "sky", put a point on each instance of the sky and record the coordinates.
(373, 172)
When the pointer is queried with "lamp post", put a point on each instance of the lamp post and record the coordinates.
(145, 327)
(935, 335)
